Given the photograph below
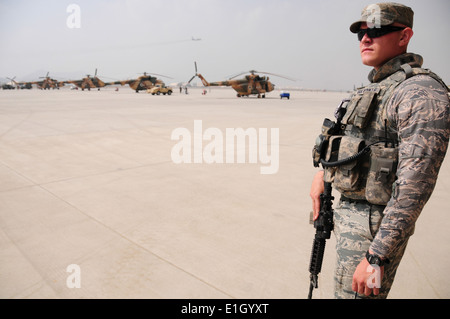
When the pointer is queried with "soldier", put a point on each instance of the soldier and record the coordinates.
(403, 118)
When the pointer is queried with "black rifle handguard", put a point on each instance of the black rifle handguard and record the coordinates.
(324, 226)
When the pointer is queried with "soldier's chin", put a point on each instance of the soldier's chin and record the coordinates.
(367, 60)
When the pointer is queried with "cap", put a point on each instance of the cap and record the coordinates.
(386, 13)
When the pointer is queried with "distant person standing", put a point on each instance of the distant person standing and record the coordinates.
(402, 119)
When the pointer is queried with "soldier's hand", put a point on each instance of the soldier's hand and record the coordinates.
(367, 278)
(317, 188)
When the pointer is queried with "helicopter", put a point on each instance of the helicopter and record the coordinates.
(251, 84)
(10, 85)
(89, 83)
(13, 84)
(46, 84)
(143, 82)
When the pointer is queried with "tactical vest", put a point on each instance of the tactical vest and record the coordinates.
(365, 126)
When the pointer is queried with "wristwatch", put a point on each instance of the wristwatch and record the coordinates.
(376, 260)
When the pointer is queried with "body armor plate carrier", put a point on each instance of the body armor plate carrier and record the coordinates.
(360, 151)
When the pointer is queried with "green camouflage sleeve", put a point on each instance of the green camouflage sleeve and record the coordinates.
(419, 110)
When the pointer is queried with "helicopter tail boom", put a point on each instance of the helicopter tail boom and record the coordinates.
(205, 83)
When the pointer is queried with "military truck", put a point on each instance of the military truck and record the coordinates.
(160, 89)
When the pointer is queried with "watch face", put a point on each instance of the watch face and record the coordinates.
(373, 260)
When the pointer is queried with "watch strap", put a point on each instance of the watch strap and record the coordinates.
(376, 260)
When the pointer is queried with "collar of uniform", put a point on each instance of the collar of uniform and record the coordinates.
(394, 65)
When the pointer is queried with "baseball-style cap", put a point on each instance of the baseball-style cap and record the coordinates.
(386, 13)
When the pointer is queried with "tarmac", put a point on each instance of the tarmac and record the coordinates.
(93, 204)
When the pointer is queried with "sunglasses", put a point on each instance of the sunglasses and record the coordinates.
(377, 32)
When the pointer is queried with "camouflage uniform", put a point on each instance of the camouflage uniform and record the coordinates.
(411, 108)
(403, 117)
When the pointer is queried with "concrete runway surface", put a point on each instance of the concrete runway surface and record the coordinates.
(92, 204)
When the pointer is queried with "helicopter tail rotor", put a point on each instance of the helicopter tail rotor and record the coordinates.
(204, 82)
(196, 74)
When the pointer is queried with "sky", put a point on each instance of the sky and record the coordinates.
(306, 40)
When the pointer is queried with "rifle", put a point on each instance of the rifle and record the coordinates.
(324, 226)
(324, 223)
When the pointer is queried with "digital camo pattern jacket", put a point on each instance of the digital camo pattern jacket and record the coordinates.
(419, 110)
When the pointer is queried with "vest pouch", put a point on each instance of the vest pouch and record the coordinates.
(321, 145)
(347, 176)
(365, 108)
(383, 166)
(331, 156)
(361, 107)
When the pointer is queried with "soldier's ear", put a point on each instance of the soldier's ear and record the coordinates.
(406, 35)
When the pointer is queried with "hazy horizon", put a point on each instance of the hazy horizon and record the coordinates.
(306, 40)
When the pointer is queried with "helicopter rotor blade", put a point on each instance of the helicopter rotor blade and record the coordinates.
(165, 76)
(12, 80)
(254, 71)
(281, 76)
(195, 65)
(236, 75)
(148, 74)
(192, 78)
